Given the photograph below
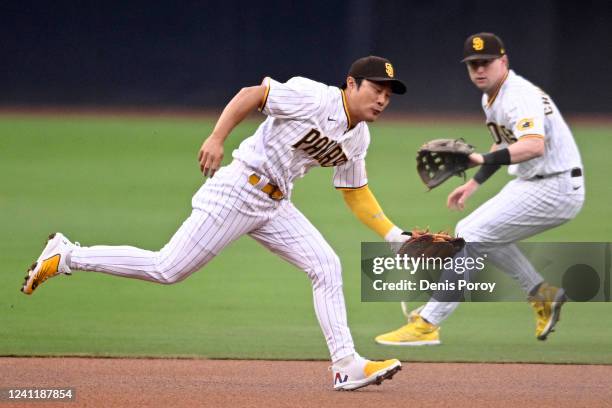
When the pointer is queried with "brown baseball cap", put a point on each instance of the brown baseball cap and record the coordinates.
(376, 69)
(483, 46)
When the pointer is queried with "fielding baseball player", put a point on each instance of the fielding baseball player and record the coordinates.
(308, 124)
(531, 137)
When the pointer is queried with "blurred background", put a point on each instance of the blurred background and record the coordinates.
(197, 54)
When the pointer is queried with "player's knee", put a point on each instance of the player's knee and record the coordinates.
(170, 270)
(465, 231)
(173, 266)
(332, 264)
(460, 226)
(336, 265)
(328, 270)
(167, 278)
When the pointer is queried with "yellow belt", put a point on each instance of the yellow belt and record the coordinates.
(270, 189)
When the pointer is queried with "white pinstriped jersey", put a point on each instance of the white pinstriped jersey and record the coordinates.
(308, 125)
(519, 109)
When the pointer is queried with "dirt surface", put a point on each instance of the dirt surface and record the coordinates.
(228, 383)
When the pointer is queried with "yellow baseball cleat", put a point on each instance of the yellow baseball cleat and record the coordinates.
(546, 304)
(360, 373)
(50, 263)
(417, 332)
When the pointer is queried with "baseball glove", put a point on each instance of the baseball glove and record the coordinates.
(440, 159)
(424, 243)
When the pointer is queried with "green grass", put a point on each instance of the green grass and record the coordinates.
(130, 181)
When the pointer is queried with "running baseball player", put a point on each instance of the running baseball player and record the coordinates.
(531, 137)
(308, 124)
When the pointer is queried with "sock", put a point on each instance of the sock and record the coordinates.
(534, 291)
(345, 361)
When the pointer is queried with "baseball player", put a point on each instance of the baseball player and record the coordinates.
(308, 124)
(531, 137)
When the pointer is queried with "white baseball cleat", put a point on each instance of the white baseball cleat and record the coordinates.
(52, 262)
(361, 373)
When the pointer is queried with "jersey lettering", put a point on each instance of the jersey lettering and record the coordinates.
(326, 152)
(548, 110)
(526, 110)
(501, 134)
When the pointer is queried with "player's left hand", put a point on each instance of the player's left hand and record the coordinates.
(210, 156)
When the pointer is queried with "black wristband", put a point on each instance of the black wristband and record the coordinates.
(501, 156)
(485, 171)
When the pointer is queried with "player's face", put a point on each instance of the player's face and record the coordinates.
(487, 74)
(369, 101)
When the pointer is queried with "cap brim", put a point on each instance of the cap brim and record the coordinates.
(397, 86)
(481, 57)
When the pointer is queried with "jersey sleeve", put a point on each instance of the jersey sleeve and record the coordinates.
(526, 114)
(353, 174)
(298, 98)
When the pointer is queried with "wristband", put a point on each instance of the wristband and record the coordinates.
(485, 171)
(501, 156)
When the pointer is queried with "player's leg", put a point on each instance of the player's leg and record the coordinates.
(519, 211)
(219, 217)
(291, 236)
(420, 331)
(522, 209)
(195, 243)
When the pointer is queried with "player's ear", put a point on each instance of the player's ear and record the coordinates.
(506, 61)
(350, 83)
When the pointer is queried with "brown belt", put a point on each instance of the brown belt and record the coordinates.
(270, 189)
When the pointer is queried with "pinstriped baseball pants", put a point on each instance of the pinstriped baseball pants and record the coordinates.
(523, 208)
(225, 208)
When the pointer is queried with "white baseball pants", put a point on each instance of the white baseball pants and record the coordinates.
(225, 208)
(523, 208)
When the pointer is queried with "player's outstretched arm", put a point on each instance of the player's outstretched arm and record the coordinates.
(245, 102)
(364, 205)
(526, 148)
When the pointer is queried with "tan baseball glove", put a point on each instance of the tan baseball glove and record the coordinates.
(440, 159)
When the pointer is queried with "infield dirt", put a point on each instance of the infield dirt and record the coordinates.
(109, 382)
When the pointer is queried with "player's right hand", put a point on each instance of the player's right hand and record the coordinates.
(210, 156)
(456, 200)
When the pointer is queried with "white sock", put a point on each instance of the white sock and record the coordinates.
(345, 361)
